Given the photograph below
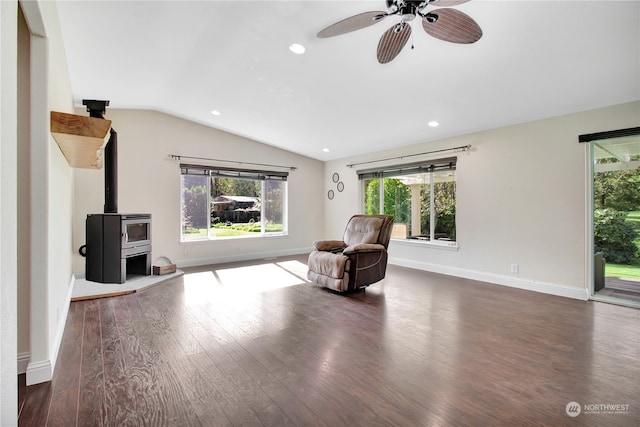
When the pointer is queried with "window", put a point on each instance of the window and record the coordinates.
(225, 203)
(421, 197)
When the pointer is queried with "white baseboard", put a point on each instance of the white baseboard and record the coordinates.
(42, 371)
(39, 372)
(23, 362)
(62, 322)
(497, 279)
(196, 262)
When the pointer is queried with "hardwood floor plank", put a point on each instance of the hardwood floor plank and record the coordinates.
(90, 411)
(119, 399)
(228, 402)
(129, 371)
(268, 412)
(36, 403)
(66, 384)
(163, 394)
(196, 373)
(294, 408)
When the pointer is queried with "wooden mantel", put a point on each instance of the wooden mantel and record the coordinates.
(81, 139)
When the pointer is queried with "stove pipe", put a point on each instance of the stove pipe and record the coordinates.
(97, 109)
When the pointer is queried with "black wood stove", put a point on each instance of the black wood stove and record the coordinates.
(117, 244)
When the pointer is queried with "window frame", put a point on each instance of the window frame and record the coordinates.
(212, 172)
(430, 167)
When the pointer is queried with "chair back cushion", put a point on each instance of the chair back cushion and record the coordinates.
(368, 229)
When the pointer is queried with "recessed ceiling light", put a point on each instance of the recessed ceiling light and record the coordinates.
(215, 112)
(326, 150)
(297, 48)
(433, 124)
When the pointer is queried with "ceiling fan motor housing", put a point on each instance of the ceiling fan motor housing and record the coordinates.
(399, 4)
(408, 12)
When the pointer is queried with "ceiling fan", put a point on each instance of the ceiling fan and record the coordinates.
(443, 23)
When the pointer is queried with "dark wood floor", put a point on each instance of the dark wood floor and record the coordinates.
(417, 349)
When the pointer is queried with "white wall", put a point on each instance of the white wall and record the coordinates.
(23, 196)
(149, 182)
(50, 190)
(8, 227)
(521, 198)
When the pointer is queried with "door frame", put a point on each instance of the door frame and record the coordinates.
(589, 172)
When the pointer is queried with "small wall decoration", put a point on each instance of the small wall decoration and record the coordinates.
(339, 185)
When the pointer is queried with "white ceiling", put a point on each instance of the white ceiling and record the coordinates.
(536, 59)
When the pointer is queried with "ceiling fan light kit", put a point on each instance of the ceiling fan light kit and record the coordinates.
(443, 23)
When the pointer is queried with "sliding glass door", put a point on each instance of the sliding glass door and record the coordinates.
(615, 159)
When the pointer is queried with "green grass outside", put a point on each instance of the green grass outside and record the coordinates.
(626, 271)
(234, 230)
(622, 271)
(194, 233)
(229, 232)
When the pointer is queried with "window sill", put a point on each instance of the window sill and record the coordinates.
(435, 244)
(226, 239)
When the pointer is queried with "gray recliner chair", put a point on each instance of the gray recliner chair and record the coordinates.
(358, 260)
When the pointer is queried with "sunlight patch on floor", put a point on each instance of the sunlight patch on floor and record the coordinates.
(257, 278)
(204, 286)
(295, 267)
(199, 288)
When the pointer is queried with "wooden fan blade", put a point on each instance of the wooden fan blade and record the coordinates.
(451, 25)
(352, 23)
(447, 3)
(392, 42)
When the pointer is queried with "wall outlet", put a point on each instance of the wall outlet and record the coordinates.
(515, 268)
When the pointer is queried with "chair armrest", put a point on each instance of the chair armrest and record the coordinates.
(329, 245)
(363, 247)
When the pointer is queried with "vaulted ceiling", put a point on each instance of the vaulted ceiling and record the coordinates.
(536, 59)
